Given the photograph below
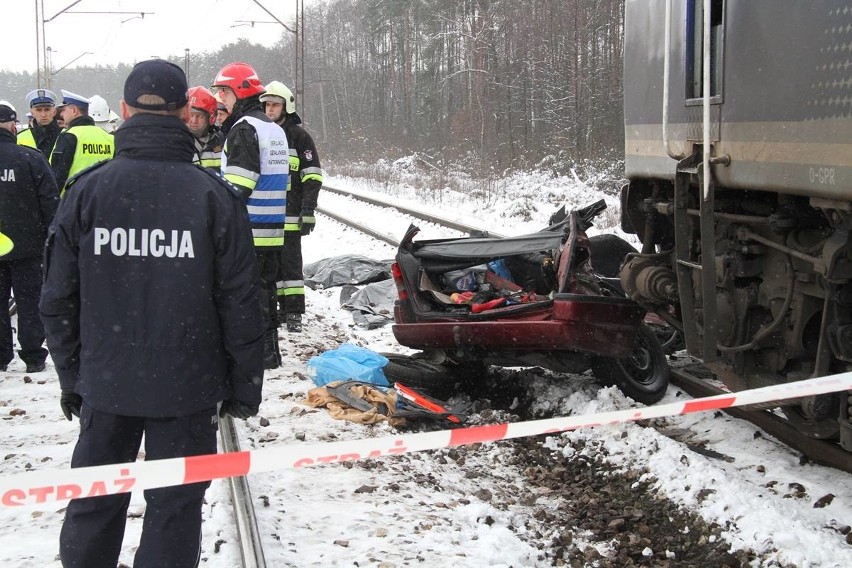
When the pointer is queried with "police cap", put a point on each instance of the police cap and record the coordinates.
(7, 113)
(41, 97)
(156, 77)
(69, 98)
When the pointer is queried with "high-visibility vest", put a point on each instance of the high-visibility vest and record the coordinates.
(267, 203)
(93, 145)
(26, 138)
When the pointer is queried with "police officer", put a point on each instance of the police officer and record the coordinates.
(305, 183)
(81, 144)
(209, 140)
(44, 129)
(137, 348)
(28, 200)
(255, 159)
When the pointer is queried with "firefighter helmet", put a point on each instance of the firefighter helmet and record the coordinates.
(98, 109)
(279, 90)
(240, 78)
(202, 99)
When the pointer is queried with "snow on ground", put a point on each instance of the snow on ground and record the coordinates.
(430, 509)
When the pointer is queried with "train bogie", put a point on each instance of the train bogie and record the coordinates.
(743, 198)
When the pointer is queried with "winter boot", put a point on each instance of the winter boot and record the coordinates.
(35, 366)
(294, 323)
(271, 354)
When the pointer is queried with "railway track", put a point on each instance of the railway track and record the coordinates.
(248, 534)
(252, 555)
(817, 451)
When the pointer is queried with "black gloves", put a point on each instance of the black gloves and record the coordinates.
(70, 402)
(307, 221)
(237, 409)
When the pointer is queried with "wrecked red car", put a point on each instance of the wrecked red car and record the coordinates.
(530, 300)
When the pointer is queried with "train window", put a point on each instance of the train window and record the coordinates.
(695, 44)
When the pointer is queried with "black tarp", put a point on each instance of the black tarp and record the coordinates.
(372, 305)
(347, 269)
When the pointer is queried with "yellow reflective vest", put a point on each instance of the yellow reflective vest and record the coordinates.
(93, 145)
(26, 138)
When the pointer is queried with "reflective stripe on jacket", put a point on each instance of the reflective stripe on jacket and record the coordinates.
(267, 201)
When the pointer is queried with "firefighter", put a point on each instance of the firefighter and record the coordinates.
(104, 117)
(222, 114)
(305, 183)
(44, 128)
(208, 137)
(255, 160)
(81, 144)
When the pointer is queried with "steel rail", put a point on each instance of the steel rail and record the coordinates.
(251, 548)
(817, 451)
(363, 228)
(416, 213)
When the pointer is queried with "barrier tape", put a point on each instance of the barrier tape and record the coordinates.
(59, 485)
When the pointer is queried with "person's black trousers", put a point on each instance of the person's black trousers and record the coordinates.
(291, 285)
(23, 276)
(171, 531)
(267, 262)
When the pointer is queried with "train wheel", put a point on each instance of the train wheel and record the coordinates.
(644, 375)
(819, 418)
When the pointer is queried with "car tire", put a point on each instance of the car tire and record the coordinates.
(643, 376)
(420, 374)
(608, 252)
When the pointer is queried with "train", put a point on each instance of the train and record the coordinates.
(738, 160)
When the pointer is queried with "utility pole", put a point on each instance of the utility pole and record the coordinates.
(38, 48)
(42, 62)
(186, 64)
(298, 45)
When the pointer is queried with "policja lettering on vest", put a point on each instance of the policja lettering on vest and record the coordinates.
(147, 242)
(99, 149)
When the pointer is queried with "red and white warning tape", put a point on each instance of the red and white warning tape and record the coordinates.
(60, 485)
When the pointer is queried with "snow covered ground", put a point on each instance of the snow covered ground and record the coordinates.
(461, 508)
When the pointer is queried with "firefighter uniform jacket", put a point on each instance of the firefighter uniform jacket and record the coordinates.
(28, 197)
(305, 174)
(208, 150)
(256, 159)
(79, 146)
(42, 138)
(150, 299)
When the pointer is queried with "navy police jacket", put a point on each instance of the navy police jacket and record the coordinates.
(149, 301)
(28, 197)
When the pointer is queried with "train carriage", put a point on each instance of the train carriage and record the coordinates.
(738, 152)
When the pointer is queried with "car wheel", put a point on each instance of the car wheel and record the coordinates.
(608, 252)
(420, 374)
(644, 375)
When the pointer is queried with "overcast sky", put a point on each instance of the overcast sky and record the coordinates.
(167, 29)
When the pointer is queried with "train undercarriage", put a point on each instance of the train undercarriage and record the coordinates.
(758, 282)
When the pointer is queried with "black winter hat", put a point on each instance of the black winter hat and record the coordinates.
(156, 77)
(7, 114)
